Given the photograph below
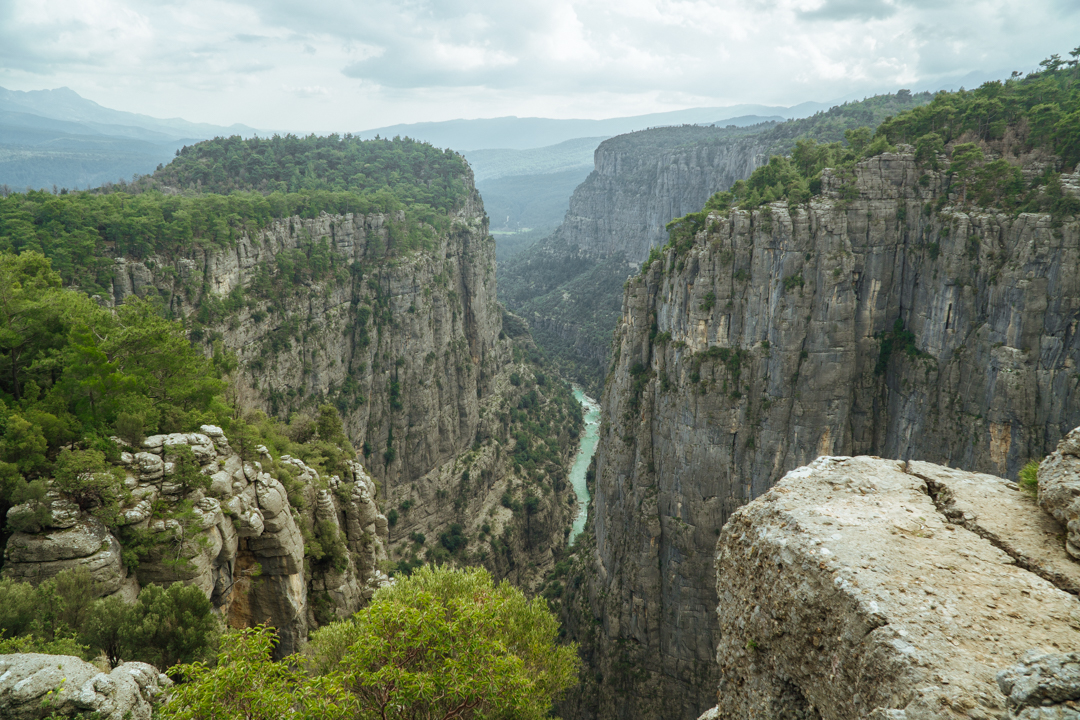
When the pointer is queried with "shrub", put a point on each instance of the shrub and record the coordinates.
(1029, 478)
(442, 639)
(102, 629)
(83, 477)
(245, 684)
(167, 626)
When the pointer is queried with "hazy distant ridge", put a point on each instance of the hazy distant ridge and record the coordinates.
(525, 133)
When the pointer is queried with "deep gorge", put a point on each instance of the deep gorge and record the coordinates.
(826, 344)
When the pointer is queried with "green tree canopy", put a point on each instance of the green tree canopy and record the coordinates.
(439, 644)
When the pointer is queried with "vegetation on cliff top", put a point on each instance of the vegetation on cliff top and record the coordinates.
(414, 172)
(1041, 110)
(574, 302)
(61, 616)
(217, 190)
(76, 374)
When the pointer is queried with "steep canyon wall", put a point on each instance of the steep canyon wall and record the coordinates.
(888, 324)
(408, 344)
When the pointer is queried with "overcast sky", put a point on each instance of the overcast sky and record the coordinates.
(351, 65)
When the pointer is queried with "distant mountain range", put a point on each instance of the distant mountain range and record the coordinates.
(516, 133)
(531, 188)
(67, 105)
(58, 138)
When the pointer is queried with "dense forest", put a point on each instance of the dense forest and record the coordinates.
(219, 189)
(75, 373)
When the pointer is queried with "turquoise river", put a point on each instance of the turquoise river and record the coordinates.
(584, 457)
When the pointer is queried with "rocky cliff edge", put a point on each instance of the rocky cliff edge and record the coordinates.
(860, 587)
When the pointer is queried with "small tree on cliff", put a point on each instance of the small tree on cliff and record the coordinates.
(446, 643)
(439, 644)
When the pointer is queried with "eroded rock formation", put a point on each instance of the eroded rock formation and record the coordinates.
(861, 587)
(34, 685)
(406, 342)
(243, 545)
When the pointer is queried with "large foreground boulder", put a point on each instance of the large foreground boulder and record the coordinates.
(867, 588)
(35, 686)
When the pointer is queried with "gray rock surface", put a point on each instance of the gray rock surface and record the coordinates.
(772, 341)
(33, 686)
(848, 590)
(428, 321)
(407, 344)
(1059, 488)
(1043, 686)
(36, 557)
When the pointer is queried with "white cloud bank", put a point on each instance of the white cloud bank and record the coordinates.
(351, 65)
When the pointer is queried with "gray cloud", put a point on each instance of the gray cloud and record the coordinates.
(833, 10)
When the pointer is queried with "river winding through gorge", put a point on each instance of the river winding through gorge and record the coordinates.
(584, 456)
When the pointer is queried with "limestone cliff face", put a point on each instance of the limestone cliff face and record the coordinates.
(875, 325)
(623, 206)
(569, 285)
(868, 588)
(404, 343)
(407, 344)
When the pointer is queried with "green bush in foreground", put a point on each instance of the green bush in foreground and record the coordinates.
(441, 643)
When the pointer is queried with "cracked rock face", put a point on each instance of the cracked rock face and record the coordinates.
(129, 692)
(428, 322)
(1043, 686)
(865, 587)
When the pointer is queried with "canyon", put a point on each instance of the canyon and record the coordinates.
(569, 286)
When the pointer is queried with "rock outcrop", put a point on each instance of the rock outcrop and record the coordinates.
(1043, 686)
(861, 587)
(242, 543)
(643, 180)
(570, 284)
(892, 323)
(1059, 488)
(33, 686)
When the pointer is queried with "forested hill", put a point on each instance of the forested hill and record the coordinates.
(825, 126)
(415, 172)
(1006, 145)
(216, 190)
(77, 373)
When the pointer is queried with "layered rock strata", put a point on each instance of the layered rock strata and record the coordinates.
(634, 191)
(243, 545)
(1059, 488)
(406, 343)
(509, 494)
(861, 587)
(876, 324)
